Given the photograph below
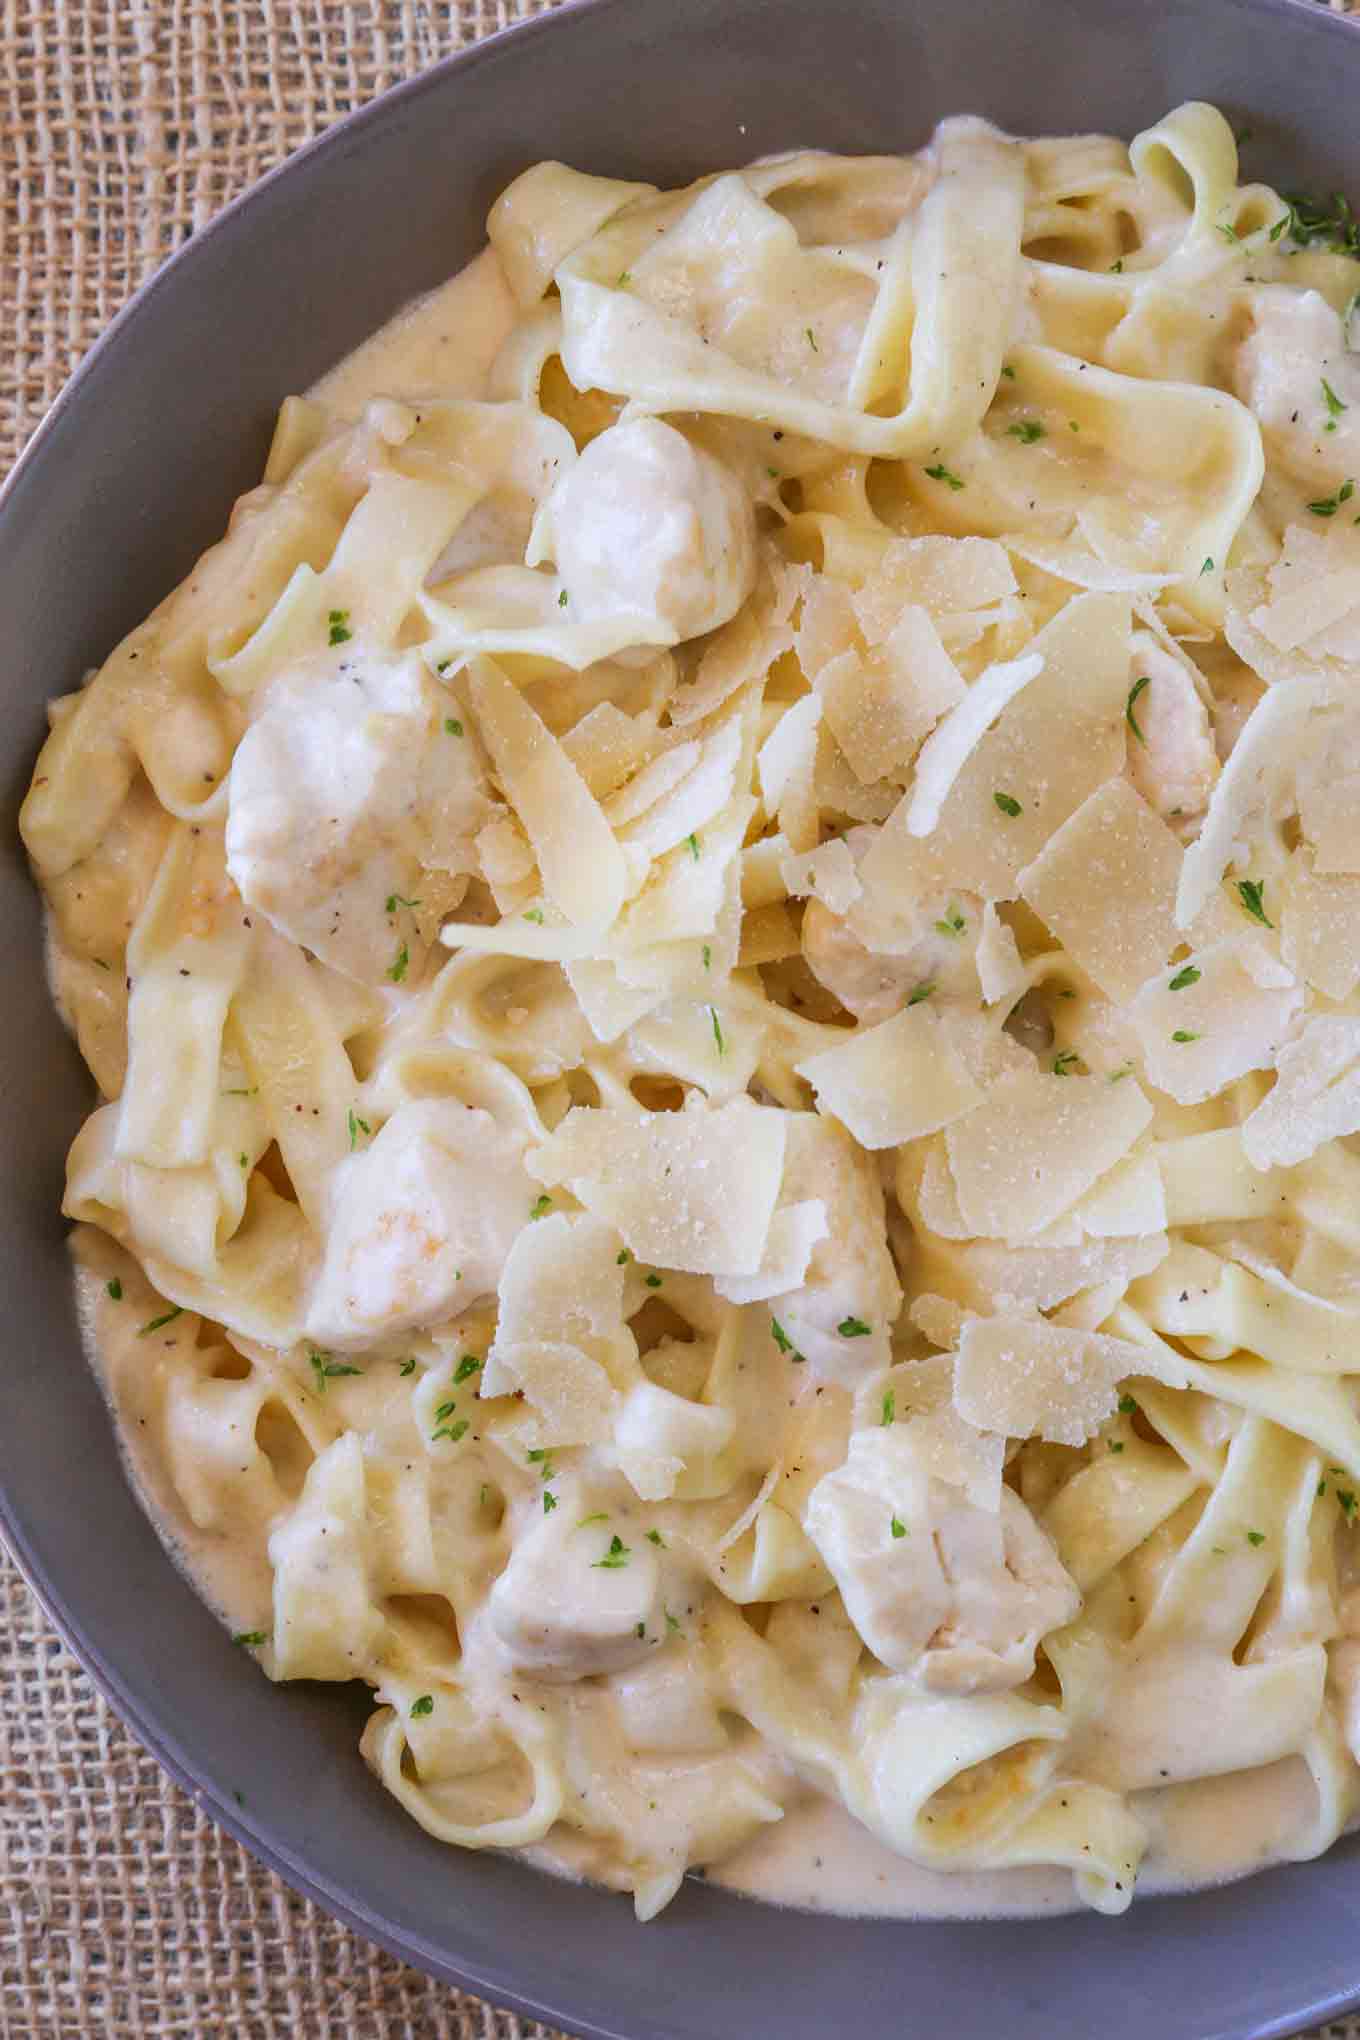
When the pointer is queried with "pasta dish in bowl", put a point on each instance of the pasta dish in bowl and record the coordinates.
(719, 950)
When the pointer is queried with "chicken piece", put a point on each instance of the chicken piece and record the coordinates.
(850, 1279)
(423, 1220)
(874, 985)
(1172, 760)
(957, 1594)
(347, 793)
(575, 1601)
(647, 525)
(1294, 353)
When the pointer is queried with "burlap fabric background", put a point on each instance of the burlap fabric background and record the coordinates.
(124, 125)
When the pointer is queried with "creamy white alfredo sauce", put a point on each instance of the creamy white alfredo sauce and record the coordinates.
(1199, 1830)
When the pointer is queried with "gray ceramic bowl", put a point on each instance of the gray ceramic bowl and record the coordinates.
(132, 475)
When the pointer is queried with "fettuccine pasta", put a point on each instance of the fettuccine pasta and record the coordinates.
(722, 958)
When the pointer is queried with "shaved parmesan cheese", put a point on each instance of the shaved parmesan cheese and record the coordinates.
(1029, 1379)
(827, 874)
(939, 1319)
(1035, 1144)
(1130, 1199)
(985, 1276)
(1001, 972)
(941, 575)
(826, 625)
(976, 844)
(607, 747)
(944, 754)
(1316, 1097)
(1272, 737)
(1232, 1019)
(881, 705)
(795, 1230)
(571, 1394)
(693, 1190)
(786, 763)
(894, 1082)
(1320, 929)
(1105, 885)
(583, 869)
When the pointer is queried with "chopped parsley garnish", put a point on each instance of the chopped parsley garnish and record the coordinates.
(397, 969)
(641, 1634)
(1208, 565)
(953, 922)
(1008, 804)
(940, 473)
(408, 1365)
(1117, 1445)
(693, 842)
(671, 1622)
(451, 1431)
(534, 914)
(1334, 404)
(1252, 893)
(549, 1501)
(1065, 1061)
(1184, 979)
(889, 1410)
(812, 340)
(1309, 221)
(562, 599)
(1027, 431)
(600, 1516)
(167, 1317)
(853, 1328)
(1118, 1076)
(708, 957)
(326, 1368)
(1256, 1536)
(1008, 372)
(1183, 1034)
(1327, 506)
(1230, 234)
(1117, 266)
(396, 899)
(717, 1030)
(251, 1638)
(921, 991)
(340, 632)
(424, 1705)
(1127, 1405)
(1129, 716)
(622, 1258)
(243, 1161)
(452, 726)
(655, 1537)
(898, 1528)
(541, 1455)
(356, 1126)
(652, 1281)
(115, 1289)
(1348, 1503)
(540, 1205)
(780, 1336)
(617, 1555)
(466, 1368)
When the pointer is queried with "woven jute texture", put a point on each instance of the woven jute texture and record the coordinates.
(124, 1913)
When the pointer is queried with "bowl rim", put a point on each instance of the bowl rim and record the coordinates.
(157, 1735)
